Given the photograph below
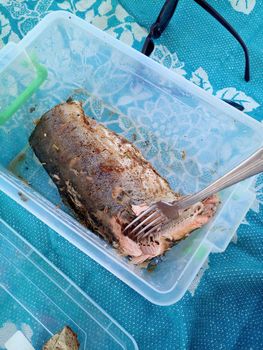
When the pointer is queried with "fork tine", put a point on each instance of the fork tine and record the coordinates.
(145, 221)
(147, 211)
(155, 222)
(146, 234)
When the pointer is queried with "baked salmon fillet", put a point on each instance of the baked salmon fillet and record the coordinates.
(107, 182)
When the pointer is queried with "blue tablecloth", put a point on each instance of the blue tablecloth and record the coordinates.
(224, 308)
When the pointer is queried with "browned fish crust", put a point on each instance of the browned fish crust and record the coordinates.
(99, 173)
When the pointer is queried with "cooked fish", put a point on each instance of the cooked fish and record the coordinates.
(107, 182)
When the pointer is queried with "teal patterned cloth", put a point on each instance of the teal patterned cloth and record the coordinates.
(224, 308)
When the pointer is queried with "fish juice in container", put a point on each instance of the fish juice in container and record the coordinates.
(190, 137)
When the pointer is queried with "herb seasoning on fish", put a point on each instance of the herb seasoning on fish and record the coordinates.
(107, 182)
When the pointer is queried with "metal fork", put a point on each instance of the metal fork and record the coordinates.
(151, 220)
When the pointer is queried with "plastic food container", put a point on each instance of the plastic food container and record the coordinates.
(190, 136)
(38, 300)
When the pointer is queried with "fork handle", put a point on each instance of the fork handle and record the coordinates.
(250, 167)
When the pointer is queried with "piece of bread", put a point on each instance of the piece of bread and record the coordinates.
(51, 343)
(64, 340)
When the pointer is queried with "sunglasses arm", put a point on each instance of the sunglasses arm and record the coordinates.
(165, 16)
(159, 25)
(208, 8)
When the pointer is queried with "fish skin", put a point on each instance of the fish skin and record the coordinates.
(103, 177)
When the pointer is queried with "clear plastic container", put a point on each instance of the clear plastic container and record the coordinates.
(39, 300)
(190, 136)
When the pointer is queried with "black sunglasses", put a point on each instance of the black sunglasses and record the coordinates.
(164, 18)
